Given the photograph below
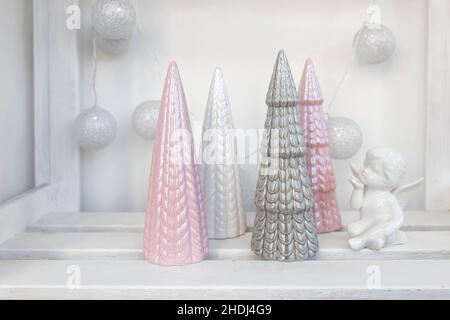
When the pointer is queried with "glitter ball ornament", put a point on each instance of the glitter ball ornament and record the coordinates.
(374, 44)
(145, 119)
(114, 19)
(95, 129)
(113, 47)
(345, 137)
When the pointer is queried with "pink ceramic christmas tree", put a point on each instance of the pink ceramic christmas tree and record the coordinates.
(175, 227)
(320, 168)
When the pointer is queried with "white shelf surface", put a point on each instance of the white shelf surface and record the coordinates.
(133, 221)
(108, 249)
(225, 280)
(421, 245)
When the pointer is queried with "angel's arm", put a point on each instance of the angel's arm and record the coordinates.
(357, 199)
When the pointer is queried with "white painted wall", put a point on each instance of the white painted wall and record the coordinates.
(243, 37)
(16, 98)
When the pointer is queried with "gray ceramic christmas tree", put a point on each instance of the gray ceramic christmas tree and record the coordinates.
(284, 227)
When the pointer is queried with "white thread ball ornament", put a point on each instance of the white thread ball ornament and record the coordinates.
(374, 44)
(113, 47)
(95, 129)
(114, 19)
(345, 136)
(145, 119)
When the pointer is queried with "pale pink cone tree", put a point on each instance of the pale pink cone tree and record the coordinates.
(175, 226)
(320, 168)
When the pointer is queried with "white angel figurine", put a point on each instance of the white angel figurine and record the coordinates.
(380, 199)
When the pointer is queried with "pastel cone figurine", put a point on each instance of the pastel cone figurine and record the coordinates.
(320, 168)
(221, 174)
(175, 226)
(284, 227)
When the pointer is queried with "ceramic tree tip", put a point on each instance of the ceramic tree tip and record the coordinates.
(218, 80)
(282, 90)
(218, 73)
(310, 92)
(173, 65)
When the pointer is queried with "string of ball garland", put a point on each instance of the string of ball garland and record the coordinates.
(95, 128)
(346, 137)
(145, 119)
(374, 43)
(114, 22)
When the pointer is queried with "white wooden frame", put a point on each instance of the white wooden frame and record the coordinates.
(438, 107)
(56, 80)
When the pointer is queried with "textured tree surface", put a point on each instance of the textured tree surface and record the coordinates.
(175, 226)
(284, 225)
(221, 174)
(320, 168)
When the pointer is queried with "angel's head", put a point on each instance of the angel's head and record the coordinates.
(383, 168)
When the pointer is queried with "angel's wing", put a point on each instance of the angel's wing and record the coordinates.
(403, 193)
